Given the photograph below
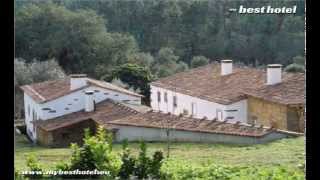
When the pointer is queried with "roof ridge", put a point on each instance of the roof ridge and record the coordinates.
(35, 92)
(113, 87)
(123, 106)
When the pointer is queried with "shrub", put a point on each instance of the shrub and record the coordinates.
(95, 154)
(142, 170)
(141, 167)
(128, 162)
(294, 68)
(156, 164)
(199, 61)
(274, 173)
(177, 170)
(34, 165)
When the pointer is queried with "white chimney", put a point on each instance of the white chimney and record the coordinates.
(274, 74)
(89, 101)
(226, 67)
(77, 81)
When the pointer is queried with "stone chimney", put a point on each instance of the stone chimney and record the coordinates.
(226, 67)
(77, 81)
(274, 74)
(89, 101)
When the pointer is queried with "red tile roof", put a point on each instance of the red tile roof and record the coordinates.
(160, 120)
(105, 111)
(289, 92)
(50, 90)
(207, 83)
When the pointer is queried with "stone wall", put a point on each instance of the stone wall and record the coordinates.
(267, 113)
(62, 137)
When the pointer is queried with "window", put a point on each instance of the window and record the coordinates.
(159, 96)
(185, 112)
(175, 101)
(65, 135)
(193, 109)
(29, 110)
(165, 97)
(33, 115)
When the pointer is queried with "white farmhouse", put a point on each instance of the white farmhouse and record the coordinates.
(213, 103)
(52, 99)
(223, 92)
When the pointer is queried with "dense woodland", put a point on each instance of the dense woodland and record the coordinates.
(149, 39)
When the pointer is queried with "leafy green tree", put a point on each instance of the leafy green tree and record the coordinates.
(81, 42)
(167, 63)
(32, 72)
(142, 59)
(166, 56)
(199, 61)
(135, 76)
(77, 39)
(299, 60)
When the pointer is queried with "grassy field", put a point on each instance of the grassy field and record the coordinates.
(286, 152)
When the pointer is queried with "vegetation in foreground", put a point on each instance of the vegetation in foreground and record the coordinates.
(283, 159)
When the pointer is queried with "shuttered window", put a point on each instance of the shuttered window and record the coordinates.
(175, 103)
(159, 96)
(165, 97)
(29, 110)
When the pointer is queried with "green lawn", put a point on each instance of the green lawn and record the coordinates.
(287, 152)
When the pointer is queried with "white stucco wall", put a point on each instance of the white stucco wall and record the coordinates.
(203, 107)
(132, 133)
(73, 102)
(77, 100)
(30, 104)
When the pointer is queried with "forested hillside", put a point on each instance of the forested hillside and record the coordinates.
(164, 37)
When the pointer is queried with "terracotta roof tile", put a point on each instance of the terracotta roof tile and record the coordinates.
(50, 90)
(289, 92)
(160, 120)
(105, 111)
(207, 83)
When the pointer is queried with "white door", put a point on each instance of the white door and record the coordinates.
(219, 115)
